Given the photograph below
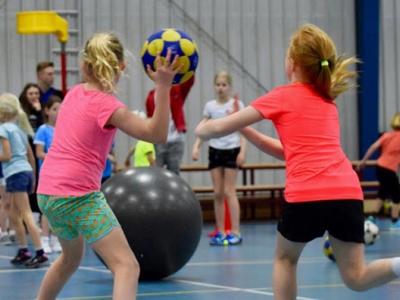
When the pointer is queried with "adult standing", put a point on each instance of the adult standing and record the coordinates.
(45, 75)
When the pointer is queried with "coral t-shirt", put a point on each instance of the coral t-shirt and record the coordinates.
(76, 159)
(390, 151)
(309, 129)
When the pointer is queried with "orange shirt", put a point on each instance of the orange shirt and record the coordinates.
(390, 151)
(309, 129)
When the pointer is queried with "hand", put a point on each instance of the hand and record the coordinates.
(36, 105)
(127, 163)
(165, 73)
(195, 154)
(240, 159)
(360, 165)
(236, 107)
(112, 158)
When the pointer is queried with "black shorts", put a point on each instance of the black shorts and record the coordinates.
(388, 184)
(33, 200)
(303, 222)
(222, 158)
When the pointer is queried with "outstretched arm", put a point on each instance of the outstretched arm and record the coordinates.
(375, 146)
(267, 144)
(154, 130)
(129, 155)
(208, 129)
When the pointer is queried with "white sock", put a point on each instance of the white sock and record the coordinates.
(396, 266)
(12, 232)
(4, 233)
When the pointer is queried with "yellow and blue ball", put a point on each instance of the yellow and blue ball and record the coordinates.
(179, 43)
(327, 248)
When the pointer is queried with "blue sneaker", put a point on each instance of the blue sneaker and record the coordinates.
(234, 239)
(395, 226)
(218, 239)
(372, 219)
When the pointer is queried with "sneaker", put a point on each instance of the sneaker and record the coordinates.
(38, 261)
(372, 219)
(55, 244)
(395, 226)
(218, 239)
(46, 244)
(234, 239)
(22, 257)
(5, 240)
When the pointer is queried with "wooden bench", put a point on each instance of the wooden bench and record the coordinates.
(251, 195)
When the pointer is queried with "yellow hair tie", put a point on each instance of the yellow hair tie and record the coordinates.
(324, 63)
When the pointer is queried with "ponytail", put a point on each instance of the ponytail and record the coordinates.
(314, 51)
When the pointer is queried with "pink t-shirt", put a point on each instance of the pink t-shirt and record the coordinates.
(390, 151)
(309, 129)
(77, 156)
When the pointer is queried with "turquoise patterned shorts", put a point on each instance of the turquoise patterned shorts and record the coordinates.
(70, 216)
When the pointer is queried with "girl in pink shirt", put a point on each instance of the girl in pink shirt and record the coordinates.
(69, 186)
(386, 170)
(323, 192)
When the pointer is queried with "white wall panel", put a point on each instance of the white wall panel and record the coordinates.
(389, 63)
(247, 38)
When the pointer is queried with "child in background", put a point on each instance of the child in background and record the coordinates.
(69, 187)
(323, 192)
(225, 155)
(19, 169)
(145, 153)
(42, 142)
(387, 167)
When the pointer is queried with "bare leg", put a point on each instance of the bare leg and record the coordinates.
(18, 225)
(287, 255)
(62, 269)
(4, 209)
(20, 206)
(356, 275)
(217, 175)
(378, 205)
(118, 256)
(395, 211)
(45, 226)
(230, 192)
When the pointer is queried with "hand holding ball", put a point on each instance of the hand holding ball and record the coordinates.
(179, 43)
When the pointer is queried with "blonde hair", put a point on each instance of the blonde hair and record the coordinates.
(395, 122)
(223, 74)
(10, 108)
(103, 55)
(314, 52)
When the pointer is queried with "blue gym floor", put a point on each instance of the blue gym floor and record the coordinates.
(234, 273)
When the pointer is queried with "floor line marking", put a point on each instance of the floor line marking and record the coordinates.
(233, 289)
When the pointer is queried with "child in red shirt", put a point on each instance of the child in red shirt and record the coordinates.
(386, 170)
(323, 192)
